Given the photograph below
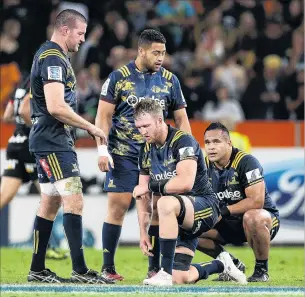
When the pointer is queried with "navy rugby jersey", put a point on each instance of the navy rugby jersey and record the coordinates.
(230, 183)
(51, 64)
(126, 87)
(160, 163)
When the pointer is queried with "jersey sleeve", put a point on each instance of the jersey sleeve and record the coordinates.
(144, 160)
(250, 171)
(108, 92)
(178, 100)
(54, 69)
(185, 147)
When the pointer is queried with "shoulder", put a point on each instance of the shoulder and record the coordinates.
(50, 51)
(244, 160)
(181, 138)
(167, 74)
(123, 72)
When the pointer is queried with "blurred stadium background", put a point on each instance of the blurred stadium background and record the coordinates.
(240, 62)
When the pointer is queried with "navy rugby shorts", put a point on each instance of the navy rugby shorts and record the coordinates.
(205, 217)
(54, 166)
(124, 176)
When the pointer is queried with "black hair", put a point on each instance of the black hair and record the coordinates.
(68, 17)
(217, 126)
(149, 36)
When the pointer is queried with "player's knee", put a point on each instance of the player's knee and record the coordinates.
(117, 208)
(166, 205)
(254, 219)
(49, 206)
(181, 267)
(248, 219)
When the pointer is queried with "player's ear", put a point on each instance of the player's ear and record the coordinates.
(65, 30)
(141, 51)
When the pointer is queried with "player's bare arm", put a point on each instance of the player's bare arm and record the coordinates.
(144, 209)
(182, 121)
(255, 199)
(103, 121)
(57, 107)
(25, 109)
(8, 116)
(183, 182)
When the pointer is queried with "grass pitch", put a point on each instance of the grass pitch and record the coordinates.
(286, 268)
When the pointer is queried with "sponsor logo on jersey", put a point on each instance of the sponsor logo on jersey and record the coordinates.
(236, 195)
(164, 175)
(105, 87)
(186, 152)
(133, 100)
(55, 73)
(253, 175)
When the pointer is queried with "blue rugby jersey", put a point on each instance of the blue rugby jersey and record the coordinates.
(51, 64)
(230, 183)
(160, 163)
(126, 87)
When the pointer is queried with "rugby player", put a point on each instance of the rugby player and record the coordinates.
(122, 91)
(248, 213)
(172, 167)
(53, 106)
(20, 166)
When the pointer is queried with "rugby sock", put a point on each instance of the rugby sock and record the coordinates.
(110, 238)
(73, 227)
(154, 261)
(42, 232)
(261, 264)
(207, 268)
(167, 249)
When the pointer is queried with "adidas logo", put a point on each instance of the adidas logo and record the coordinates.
(105, 251)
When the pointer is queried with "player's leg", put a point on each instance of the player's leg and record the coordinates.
(52, 252)
(9, 189)
(258, 225)
(118, 204)
(173, 211)
(207, 220)
(11, 179)
(49, 204)
(120, 182)
(186, 273)
(30, 173)
(66, 176)
(225, 231)
(153, 232)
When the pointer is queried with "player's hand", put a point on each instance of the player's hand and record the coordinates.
(145, 245)
(104, 158)
(95, 131)
(140, 190)
(103, 163)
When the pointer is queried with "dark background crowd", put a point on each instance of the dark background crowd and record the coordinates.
(237, 59)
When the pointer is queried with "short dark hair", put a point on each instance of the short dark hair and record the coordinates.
(149, 106)
(68, 17)
(217, 126)
(149, 36)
